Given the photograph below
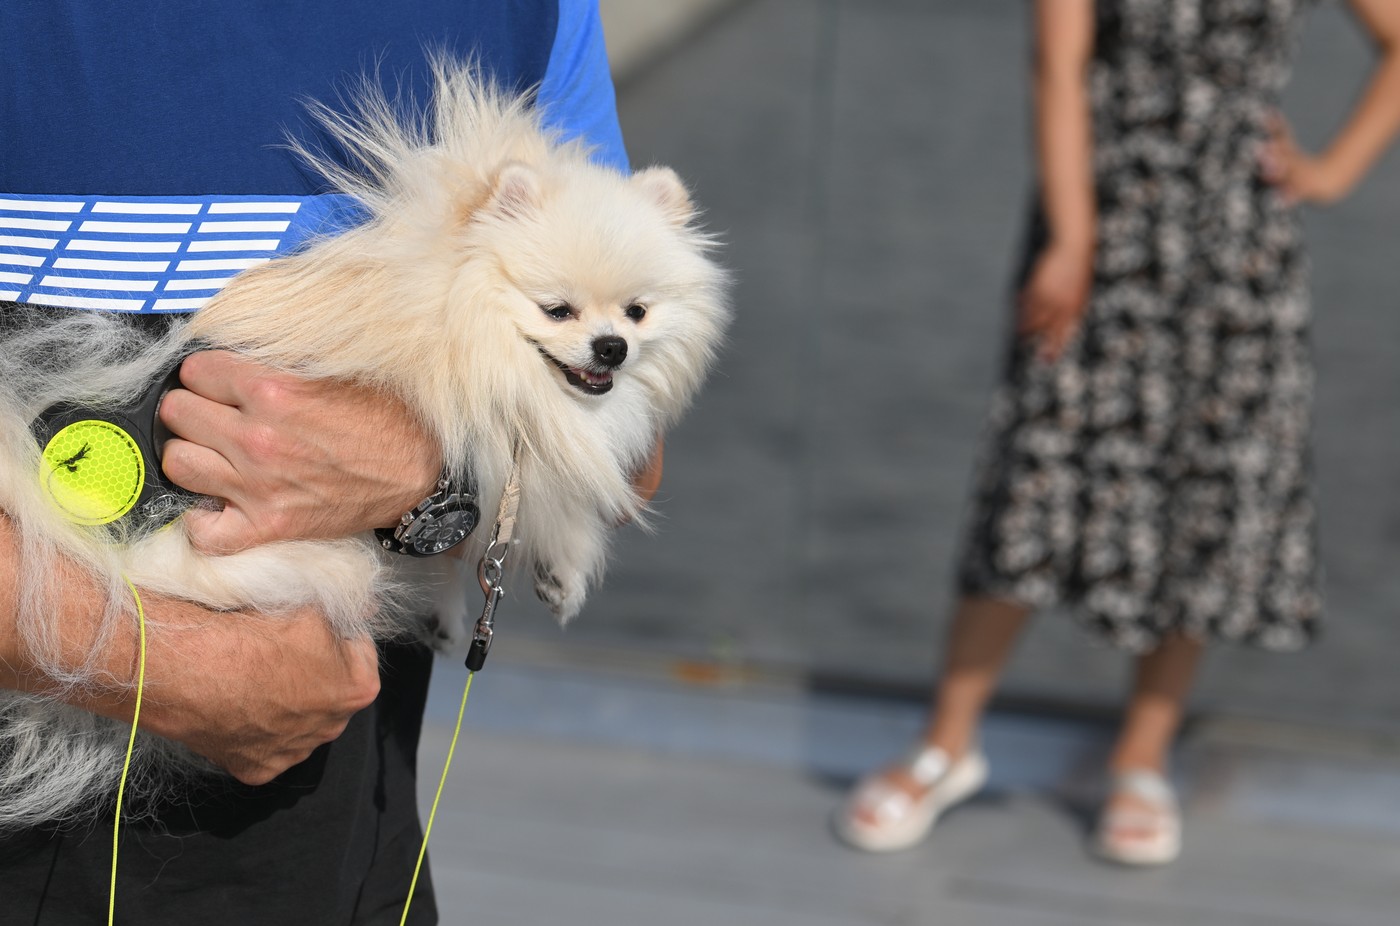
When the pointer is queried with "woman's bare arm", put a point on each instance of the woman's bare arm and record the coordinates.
(1058, 288)
(1362, 139)
(1063, 131)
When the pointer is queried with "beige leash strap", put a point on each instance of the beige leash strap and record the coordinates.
(510, 506)
(491, 570)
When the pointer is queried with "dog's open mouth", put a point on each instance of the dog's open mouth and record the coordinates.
(586, 381)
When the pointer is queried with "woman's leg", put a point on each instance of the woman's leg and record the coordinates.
(1155, 708)
(983, 634)
(1140, 822)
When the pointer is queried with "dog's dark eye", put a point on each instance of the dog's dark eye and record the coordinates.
(558, 312)
(636, 312)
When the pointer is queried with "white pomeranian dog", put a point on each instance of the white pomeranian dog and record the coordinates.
(541, 315)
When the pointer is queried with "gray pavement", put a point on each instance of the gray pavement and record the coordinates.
(625, 800)
(866, 161)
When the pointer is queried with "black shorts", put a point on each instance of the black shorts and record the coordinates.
(331, 841)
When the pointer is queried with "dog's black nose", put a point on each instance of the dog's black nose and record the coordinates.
(610, 350)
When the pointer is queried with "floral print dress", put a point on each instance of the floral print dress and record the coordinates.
(1156, 476)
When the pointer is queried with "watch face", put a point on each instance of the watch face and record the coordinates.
(439, 530)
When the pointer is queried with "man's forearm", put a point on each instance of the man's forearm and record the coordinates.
(78, 613)
(12, 662)
(253, 694)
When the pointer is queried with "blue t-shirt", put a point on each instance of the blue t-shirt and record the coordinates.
(179, 97)
(144, 145)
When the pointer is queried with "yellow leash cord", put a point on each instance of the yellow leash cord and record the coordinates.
(489, 572)
(130, 748)
(438, 797)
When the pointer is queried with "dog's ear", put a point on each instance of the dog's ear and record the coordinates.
(667, 191)
(516, 190)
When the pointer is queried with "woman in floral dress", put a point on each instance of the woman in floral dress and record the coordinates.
(1147, 461)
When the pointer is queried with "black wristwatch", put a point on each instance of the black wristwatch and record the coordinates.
(437, 523)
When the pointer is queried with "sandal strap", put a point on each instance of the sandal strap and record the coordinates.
(882, 800)
(1132, 819)
(927, 764)
(1151, 787)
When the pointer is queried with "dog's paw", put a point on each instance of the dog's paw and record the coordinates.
(548, 588)
(562, 593)
(446, 633)
(447, 625)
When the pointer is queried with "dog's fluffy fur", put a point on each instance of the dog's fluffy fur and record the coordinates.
(494, 256)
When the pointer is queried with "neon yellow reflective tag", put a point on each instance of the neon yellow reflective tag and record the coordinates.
(93, 471)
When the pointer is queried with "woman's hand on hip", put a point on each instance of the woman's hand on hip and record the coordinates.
(1299, 177)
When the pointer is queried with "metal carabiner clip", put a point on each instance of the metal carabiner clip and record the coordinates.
(489, 573)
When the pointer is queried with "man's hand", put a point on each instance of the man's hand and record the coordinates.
(253, 695)
(292, 459)
(1055, 297)
(647, 480)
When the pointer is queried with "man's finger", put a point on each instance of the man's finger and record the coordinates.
(217, 375)
(219, 533)
(199, 419)
(260, 772)
(201, 470)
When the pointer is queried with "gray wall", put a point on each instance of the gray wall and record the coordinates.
(867, 164)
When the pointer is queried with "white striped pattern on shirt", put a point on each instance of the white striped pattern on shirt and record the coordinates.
(128, 254)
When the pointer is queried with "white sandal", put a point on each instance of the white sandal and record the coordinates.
(902, 819)
(1156, 838)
